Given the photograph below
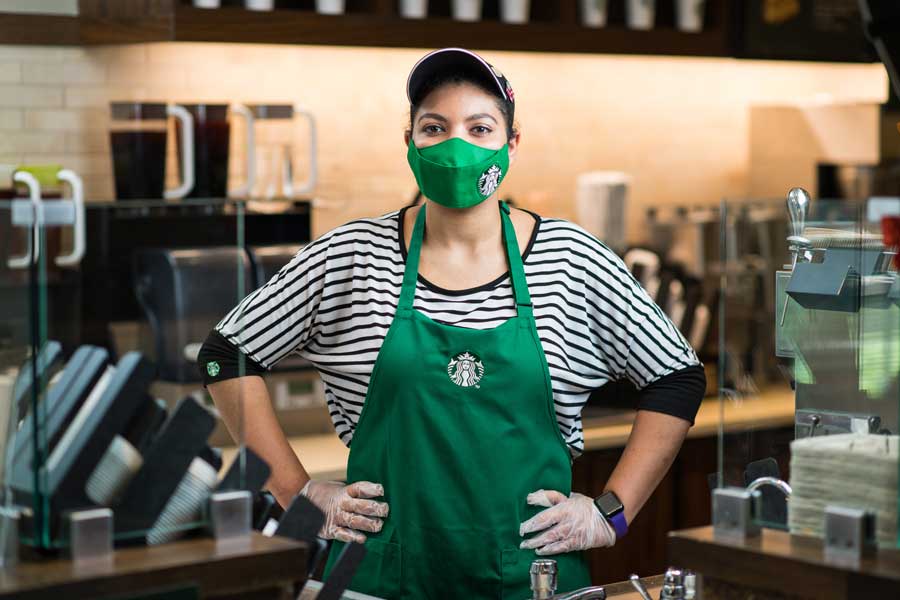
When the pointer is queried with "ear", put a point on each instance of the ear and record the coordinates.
(407, 135)
(514, 146)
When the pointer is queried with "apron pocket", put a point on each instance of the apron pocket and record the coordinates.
(515, 566)
(380, 571)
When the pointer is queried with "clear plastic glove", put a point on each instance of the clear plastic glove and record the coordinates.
(348, 512)
(570, 523)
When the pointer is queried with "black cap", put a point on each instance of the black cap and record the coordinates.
(457, 60)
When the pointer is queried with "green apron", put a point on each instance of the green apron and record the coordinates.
(459, 427)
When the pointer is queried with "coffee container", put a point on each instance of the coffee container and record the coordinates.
(138, 138)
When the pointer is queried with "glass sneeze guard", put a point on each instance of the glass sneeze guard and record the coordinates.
(826, 325)
(125, 425)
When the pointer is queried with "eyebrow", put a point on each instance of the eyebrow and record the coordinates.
(434, 116)
(443, 119)
(481, 116)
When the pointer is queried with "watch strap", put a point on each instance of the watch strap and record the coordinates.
(619, 523)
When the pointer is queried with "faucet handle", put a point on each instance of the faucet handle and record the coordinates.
(798, 209)
(673, 585)
(543, 578)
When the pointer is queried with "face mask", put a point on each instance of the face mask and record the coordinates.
(457, 174)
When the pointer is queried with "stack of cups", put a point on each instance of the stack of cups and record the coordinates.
(413, 9)
(690, 15)
(330, 7)
(515, 11)
(640, 14)
(593, 13)
(467, 10)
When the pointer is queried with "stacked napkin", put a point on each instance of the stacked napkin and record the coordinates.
(852, 470)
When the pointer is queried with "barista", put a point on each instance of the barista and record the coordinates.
(458, 342)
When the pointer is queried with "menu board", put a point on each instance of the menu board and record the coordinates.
(829, 30)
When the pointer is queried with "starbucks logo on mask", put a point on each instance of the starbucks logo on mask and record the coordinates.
(465, 370)
(489, 180)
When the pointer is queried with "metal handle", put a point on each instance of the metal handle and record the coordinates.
(187, 152)
(639, 586)
(33, 244)
(249, 151)
(310, 183)
(798, 210)
(78, 241)
(780, 484)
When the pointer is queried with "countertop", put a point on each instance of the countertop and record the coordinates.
(325, 456)
(623, 590)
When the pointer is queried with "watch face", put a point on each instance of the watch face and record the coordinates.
(609, 504)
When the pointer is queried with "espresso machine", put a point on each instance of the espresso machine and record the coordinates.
(837, 317)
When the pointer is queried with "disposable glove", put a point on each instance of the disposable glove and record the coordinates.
(347, 511)
(571, 523)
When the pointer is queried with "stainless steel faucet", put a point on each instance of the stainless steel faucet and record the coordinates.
(543, 584)
(779, 484)
(678, 584)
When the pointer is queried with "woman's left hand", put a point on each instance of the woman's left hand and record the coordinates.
(570, 523)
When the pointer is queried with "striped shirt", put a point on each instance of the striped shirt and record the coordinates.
(335, 300)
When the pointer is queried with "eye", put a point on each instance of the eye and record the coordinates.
(432, 129)
(481, 130)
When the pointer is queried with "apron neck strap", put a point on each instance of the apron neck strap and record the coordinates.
(411, 271)
(516, 269)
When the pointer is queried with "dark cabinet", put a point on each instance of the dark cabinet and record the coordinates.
(681, 501)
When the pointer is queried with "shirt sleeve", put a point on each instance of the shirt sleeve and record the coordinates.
(678, 394)
(638, 341)
(220, 360)
(280, 317)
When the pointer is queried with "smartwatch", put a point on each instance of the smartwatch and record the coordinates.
(613, 511)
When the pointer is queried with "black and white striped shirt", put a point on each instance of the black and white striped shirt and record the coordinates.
(334, 302)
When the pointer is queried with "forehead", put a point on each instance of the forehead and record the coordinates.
(460, 94)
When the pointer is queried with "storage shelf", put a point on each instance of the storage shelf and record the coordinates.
(302, 27)
(376, 23)
(554, 27)
(39, 29)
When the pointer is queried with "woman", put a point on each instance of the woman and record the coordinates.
(458, 341)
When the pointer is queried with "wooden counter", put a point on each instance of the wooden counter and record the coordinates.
(325, 456)
(254, 567)
(623, 590)
(777, 565)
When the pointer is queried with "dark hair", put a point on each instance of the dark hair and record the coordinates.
(457, 78)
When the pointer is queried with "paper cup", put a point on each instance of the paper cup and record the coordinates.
(593, 13)
(330, 7)
(690, 15)
(641, 14)
(413, 9)
(467, 10)
(259, 4)
(514, 11)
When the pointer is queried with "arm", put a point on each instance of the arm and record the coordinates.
(665, 413)
(666, 410)
(651, 448)
(256, 420)
(245, 406)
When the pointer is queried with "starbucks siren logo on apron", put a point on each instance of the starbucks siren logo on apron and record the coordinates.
(465, 370)
(489, 180)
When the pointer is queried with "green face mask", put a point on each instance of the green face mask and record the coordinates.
(457, 174)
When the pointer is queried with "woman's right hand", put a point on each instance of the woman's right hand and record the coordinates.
(348, 511)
